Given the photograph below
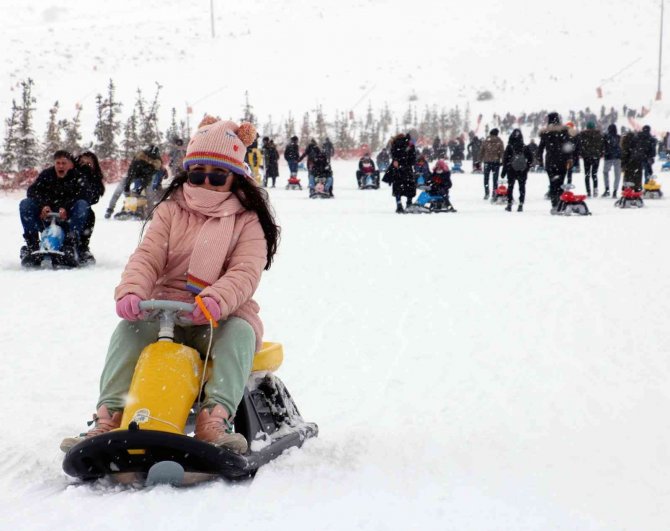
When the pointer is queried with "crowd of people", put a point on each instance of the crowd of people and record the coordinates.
(73, 184)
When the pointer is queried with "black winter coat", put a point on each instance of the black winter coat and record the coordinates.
(292, 153)
(612, 146)
(142, 168)
(508, 157)
(559, 145)
(90, 186)
(439, 183)
(402, 177)
(590, 144)
(55, 192)
(647, 144)
(321, 166)
(271, 156)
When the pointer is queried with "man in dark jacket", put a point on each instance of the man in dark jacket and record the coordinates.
(56, 189)
(558, 144)
(590, 148)
(292, 156)
(612, 155)
(647, 145)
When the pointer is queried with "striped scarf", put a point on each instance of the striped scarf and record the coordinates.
(213, 241)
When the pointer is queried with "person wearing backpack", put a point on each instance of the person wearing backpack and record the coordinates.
(612, 156)
(517, 160)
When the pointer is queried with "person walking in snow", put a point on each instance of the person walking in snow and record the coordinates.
(211, 234)
(612, 156)
(590, 147)
(400, 174)
(517, 160)
(271, 157)
(492, 152)
(292, 156)
(558, 144)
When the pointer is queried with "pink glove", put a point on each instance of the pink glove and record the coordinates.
(212, 306)
(128, 307)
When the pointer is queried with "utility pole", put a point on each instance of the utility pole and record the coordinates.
(659, 94)
(211, 15)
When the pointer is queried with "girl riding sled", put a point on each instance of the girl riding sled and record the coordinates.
(211, 234)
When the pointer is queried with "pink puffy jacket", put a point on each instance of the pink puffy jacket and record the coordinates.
(158, 267)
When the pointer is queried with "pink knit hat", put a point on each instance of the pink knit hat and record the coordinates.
(222, 144)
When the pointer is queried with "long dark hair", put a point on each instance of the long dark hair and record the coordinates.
(251, 197)
(97, 170)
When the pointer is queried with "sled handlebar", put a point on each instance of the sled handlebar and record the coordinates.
(168, 306)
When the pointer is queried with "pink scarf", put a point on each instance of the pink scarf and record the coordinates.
(213, 241)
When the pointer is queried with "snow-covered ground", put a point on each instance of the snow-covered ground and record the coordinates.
(473, 371)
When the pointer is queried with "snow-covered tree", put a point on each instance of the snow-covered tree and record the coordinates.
(8, 159)
(248, 114)
(305, 130)
(290, 126)
(320, 126)
(27, 148)
(148, 119)
(131, 141)
(71, 132)
(52, 142)
(108, 124)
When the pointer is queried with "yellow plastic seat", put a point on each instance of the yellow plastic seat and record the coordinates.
(268, 358)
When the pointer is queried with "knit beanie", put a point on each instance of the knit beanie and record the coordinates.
(221, 143)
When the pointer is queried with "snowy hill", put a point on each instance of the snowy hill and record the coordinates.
(295, 55)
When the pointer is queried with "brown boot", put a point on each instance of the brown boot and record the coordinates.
(104, 421)
(212, 426)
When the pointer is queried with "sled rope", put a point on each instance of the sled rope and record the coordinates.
(204, 367)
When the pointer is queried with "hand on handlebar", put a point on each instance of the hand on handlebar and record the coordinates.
(46, 210)
(128, 307)
(212, 306)
(62, 213)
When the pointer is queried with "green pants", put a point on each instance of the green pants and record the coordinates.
(232, 353)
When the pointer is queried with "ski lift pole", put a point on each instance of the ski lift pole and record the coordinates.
(211, 16)
(659, 94)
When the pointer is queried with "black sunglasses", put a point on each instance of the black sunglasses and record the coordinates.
(214, 178)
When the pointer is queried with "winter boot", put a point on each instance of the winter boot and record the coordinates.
(26, 253)
(399, 209)
(213, 426)
(520, 207)
(70, 246)
(508, 207)
(108, 213)
(486, 195)
(104, 420)
(614, 194)
(606, 193)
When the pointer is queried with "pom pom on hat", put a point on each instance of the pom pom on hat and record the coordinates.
(246, 133)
